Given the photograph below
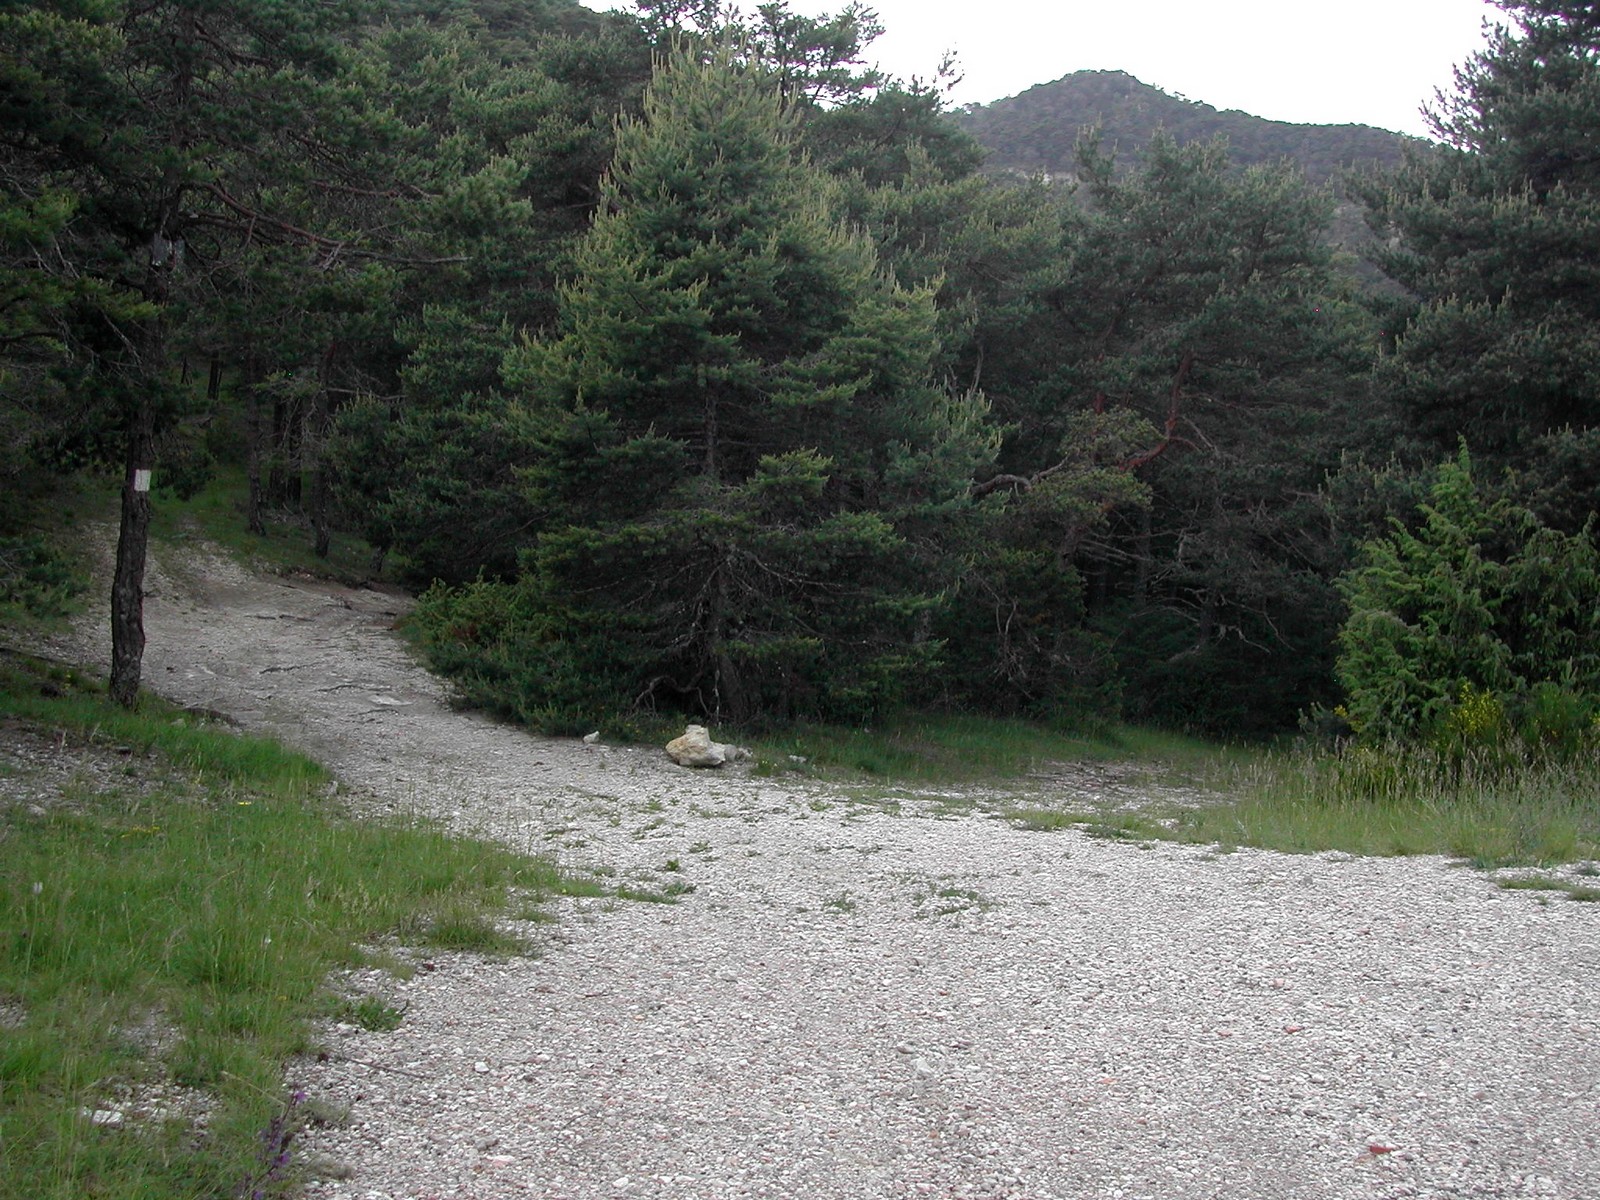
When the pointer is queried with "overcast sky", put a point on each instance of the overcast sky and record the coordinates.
(1373, 62)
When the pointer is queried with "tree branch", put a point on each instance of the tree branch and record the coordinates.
(288, 232)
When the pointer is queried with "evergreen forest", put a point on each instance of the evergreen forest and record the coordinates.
(690, 366)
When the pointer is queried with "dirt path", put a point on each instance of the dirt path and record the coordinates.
(882, 995)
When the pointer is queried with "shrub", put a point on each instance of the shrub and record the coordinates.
(1479, 614)
(35, 577)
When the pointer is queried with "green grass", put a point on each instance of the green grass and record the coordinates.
(1116, 827)
(940, 748)
(71, 700)
(1546, 883)
(174, 937)
(368, 1012)
(1371, 801)
(1533, 883)
(1396, 801)
(643, 895)
(1046, 820)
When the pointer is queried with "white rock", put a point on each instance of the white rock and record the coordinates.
(696, 749)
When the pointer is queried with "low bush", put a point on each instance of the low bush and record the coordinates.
(36, 578)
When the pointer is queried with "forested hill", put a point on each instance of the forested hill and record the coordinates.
(1038, 130)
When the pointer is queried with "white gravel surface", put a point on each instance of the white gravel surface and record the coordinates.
(885, 994)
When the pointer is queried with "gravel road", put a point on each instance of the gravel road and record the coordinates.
(881, 993)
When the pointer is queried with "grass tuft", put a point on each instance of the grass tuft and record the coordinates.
(371, 1013)
(1532, 883)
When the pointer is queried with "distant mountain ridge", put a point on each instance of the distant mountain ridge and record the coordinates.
(1037, 130)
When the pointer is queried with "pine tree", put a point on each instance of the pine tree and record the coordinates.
(188, 136)
(745, 451)
(1170, 388)
(1496, 233)
(503, 139)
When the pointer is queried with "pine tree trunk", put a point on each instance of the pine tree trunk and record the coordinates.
(1143, 563)
(318, 422)
(321, 535)
(127, 583)
(253, 433)
(277, 492)
(294, 430)
(729, 701)
(133, 535)
(1208, 621)
(252, 502)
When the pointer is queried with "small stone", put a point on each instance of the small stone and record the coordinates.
(482, 1068)
(325, 1166)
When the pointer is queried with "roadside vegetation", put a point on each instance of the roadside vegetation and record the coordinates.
(1496, 779)
(43, 573)
(1394, 800)
(167, 942)
(934, 748)
(1490, 807)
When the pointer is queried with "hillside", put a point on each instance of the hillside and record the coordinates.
(1037, 130)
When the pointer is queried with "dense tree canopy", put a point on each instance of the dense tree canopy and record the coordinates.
(1497, 235)
(743, 440)
(704, 370)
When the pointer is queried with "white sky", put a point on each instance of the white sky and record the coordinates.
(1373, 62)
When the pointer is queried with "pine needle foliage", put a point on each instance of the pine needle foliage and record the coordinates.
(1480, 627)
(744, 459)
